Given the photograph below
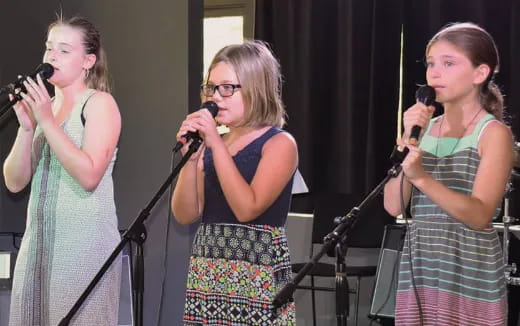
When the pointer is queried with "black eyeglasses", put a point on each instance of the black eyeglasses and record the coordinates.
(225, 90)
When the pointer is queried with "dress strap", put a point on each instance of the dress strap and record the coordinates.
(83, 120)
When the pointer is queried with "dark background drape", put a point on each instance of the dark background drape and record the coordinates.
(340, 61)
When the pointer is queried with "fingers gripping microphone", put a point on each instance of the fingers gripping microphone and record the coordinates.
(426, 95)
(45, 70)
(191, 135)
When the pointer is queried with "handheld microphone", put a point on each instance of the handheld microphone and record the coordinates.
(426, 95)
(45, 70)
(193, 135)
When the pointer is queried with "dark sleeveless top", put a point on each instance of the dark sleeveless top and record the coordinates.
(216, 208)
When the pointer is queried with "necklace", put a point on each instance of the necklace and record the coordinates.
(458, 139)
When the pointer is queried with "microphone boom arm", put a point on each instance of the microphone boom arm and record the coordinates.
(340, 233)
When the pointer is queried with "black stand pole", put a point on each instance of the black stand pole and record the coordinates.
(342, 294)
(8, 105)
(337, 238)
(136, 232)
(138, 275)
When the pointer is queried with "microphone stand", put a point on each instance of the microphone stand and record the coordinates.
(338, 239)
(509, 269)
(137, 233)
(9, 104)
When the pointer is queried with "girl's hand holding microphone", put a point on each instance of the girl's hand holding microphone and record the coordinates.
(35, 105)
(198, 124)
(24, 115)
(418, 116)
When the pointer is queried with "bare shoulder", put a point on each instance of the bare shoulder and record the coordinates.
(281, 145)
(496, 131)
(101, 101)
(281, 148)
(282, 140)
(496, 137)
(102, 106)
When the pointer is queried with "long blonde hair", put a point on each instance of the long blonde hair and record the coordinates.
(259, 74)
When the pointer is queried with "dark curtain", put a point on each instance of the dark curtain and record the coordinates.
(340, 62)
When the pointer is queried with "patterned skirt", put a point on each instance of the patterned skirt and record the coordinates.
(235, 272)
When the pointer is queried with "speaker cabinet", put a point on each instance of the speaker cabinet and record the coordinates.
(383, 297)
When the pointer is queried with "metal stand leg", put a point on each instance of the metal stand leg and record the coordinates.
(358, 293)
(342, 293)
(509, 268)
(313, 298)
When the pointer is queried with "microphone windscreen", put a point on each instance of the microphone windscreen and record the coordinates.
(211, 106)
(425, 94)
(46, 70)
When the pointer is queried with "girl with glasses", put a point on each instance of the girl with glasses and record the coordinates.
(239, 186)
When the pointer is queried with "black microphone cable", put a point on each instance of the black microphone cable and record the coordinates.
(408, 240)
(166, 241)
(212, 107)
(397, 260)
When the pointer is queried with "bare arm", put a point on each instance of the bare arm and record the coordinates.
(88, 164)
(276, 167)
(419, 115)
(392, 194)
(188, 195)
(247, 201)
(477, 209)
(17, 165)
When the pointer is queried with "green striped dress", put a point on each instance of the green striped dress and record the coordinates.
(458, 272)
(69, 234)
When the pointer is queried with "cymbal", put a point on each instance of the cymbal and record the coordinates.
(516, 158)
